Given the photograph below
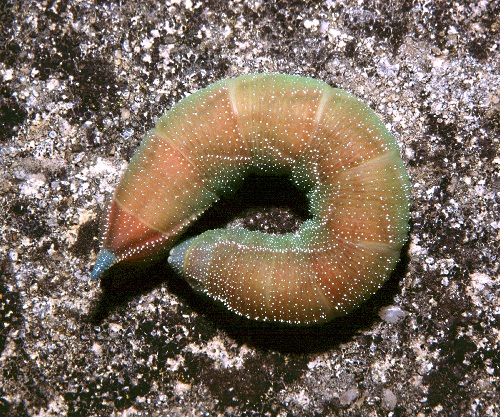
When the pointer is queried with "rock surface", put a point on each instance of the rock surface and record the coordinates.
(81, 82)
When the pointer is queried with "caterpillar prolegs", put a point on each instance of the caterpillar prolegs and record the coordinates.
(334, 149)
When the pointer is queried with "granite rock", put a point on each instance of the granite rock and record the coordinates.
(82, 81)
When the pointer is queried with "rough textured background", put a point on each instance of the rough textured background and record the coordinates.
(81, 81)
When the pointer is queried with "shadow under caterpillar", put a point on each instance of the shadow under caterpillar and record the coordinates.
(335, 150)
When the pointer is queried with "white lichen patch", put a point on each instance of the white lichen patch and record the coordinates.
(380, 371)
(181, 388)
(233, 356)
(326, 377)
(176, 363)
(104, 166)
(483, 290)
(299, 399)
(56, 407)
(32, 187)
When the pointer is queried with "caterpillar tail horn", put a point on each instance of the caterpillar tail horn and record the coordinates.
(105, 259)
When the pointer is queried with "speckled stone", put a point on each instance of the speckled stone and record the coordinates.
(81, 82)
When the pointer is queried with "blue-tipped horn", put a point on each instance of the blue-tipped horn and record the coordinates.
(105, 260)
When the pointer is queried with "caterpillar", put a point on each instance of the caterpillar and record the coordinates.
(333, 148)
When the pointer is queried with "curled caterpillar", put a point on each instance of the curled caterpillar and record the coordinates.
(334, 149)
